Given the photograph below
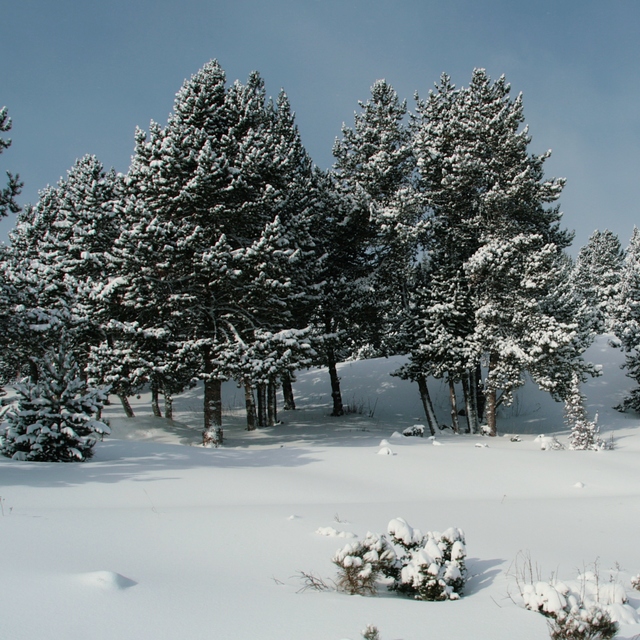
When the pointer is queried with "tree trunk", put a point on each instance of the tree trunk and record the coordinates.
(287, 392)
(168, 405)
(272, 404)
(469, 404)
(491, 398)
(262, 404)
(155, 403)
(454, 406)
(250, 403)
(336, 396)
(426, 403)
(212, 434)
(128, 411)
(480, 398)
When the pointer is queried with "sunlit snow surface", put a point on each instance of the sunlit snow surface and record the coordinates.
(158, 540)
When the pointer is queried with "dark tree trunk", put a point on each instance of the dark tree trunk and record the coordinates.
(454, 406)
(287, 392)
(212, 434)
(480, 397)
(427, 404)
(272, 404)
(34, 374)
(168, 405)
(155, 401)
(261, 388)
(128, 411)
(250, 404)
(469, 403)
(336, 395)
(491, 398)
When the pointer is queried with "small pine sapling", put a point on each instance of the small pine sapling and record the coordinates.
(585, 434)
(53, 420)
(361, 563)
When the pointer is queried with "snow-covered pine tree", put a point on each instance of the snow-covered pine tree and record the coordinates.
(488, 199)
(368, 224)
(626, 320)
(585, 433)
(597, 275)
(212, 213)
(9, 193)
(54, 420)
(59, 252)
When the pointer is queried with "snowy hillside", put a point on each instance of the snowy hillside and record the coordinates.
(156, 540)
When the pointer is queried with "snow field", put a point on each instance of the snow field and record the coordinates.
(153, 540)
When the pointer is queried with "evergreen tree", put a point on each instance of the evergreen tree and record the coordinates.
(491, 234)
(9, 193)
(53, 420)
(584, 432)
(626, 323)
(597, 275)
(216, 213)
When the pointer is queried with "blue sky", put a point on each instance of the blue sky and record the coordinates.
(79, 75)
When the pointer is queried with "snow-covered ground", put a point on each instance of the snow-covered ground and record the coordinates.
(155, 539)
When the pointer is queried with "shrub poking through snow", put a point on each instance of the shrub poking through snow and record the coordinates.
(370, 632)
(360, 564)
(592, 623)
(582, 609)
(425, 567)
(635, 582)
(432, 566)
(53, 419)
(415, 430)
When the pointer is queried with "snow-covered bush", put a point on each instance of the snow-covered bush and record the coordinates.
(370, 632)
(361, 563)
(635, 582)
(425, 567)
(415, 430)
(432, 566)
(592, 623)
(581, 609)
(53, 420)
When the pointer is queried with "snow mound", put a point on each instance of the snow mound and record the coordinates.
(385, 451)
(481, 445)
(334, 533)
(396, 434)
(107, 580)
(384, 443)
(579, 485)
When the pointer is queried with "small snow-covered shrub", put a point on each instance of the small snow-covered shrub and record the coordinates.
(635, 582)
(370, 632)
(425, 567)
(53, 420)
(415, 430)
(581, 609)
(592, 623)
(548, 443)
(360, 564)
(432, 566)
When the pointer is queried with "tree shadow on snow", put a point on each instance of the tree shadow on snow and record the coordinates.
(119, 460)
(481, 574)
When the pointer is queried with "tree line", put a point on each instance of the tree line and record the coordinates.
(224, 253)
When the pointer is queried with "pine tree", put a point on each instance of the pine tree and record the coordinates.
(597, 275)
(491, 234)
(53, 420)
(584, 433)
(626, 323)
(215, 229)
(9, 193)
